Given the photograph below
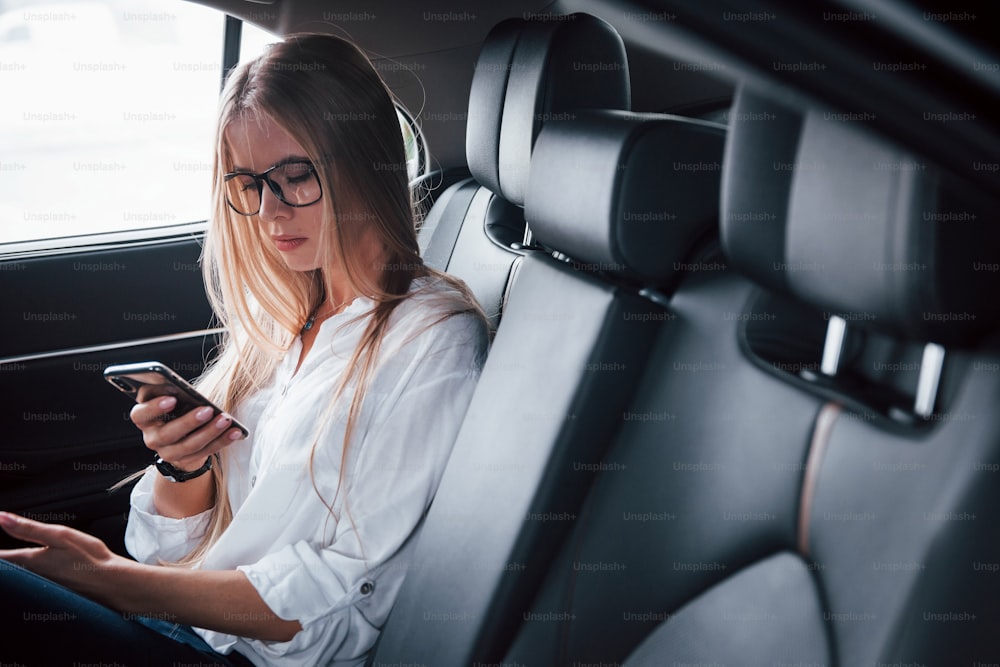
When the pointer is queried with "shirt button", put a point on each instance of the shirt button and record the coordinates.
(367, 588)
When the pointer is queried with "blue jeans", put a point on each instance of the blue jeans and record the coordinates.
(49, 625)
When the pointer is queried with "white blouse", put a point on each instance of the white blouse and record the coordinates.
(334, 569)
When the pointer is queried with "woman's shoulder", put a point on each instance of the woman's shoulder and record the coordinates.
(437, 298)
(438, 309)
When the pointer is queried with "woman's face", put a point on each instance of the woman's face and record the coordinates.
(256, 146)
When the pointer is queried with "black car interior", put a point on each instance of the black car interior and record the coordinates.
(740, 407)
(54, 398)
(527, 73)
(741, 469)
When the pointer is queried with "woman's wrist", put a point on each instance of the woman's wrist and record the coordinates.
(180, 501)
(182, 474)
(111, 588)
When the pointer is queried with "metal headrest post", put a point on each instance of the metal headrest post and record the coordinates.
(833, 346)
(930, 377)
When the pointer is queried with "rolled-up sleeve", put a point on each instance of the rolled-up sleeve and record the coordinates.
(153, 538)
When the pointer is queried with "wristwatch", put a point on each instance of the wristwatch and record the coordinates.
(177, 475)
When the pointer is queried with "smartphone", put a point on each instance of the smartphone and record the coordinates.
(149, 379)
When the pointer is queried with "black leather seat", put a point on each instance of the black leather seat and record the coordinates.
(753, 511)
(529, 71)
(567, 356)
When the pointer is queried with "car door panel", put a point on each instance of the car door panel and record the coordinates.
(66, 436)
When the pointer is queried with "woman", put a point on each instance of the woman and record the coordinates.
(351, 363)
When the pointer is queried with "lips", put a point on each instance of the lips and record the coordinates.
(287, 243)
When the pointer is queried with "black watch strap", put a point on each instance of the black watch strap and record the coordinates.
(177, 475)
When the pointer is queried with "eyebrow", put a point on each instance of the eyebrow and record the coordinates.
(288, 160)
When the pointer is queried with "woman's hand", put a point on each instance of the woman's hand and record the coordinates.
(187, 441)
(222, 600)
(67, 556)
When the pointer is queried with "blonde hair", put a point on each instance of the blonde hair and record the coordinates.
(324, 92)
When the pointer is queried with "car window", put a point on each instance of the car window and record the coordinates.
(108, 115)
(253, 40)
(416, 164)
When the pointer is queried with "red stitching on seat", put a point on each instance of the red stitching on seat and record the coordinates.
(825, 420)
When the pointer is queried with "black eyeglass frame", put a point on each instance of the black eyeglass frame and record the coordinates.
(263, 177)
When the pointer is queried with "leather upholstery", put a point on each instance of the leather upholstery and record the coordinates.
(550, 397)
(702, 480)
(567, 356)
(744, 515)
(772, 608)
(530, 72)
(632, 196)
(699, 505)
(845, 221)
(761, 144)
(870, 231)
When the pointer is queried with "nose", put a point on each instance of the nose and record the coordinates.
(272, 208)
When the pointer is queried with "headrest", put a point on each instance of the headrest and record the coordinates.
(761, 144)
(859, 227)
(531, 71)
(624, 192)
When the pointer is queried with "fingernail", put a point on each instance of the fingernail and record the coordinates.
(203, 414)
(167, 402)
(7, 519)
(235, 435)
(222, 421)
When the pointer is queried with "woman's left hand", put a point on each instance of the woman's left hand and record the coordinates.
(222, 600)
(67, 556)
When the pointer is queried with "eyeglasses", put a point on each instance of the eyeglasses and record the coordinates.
(294, 182)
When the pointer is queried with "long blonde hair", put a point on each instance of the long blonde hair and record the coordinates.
(324, 92)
